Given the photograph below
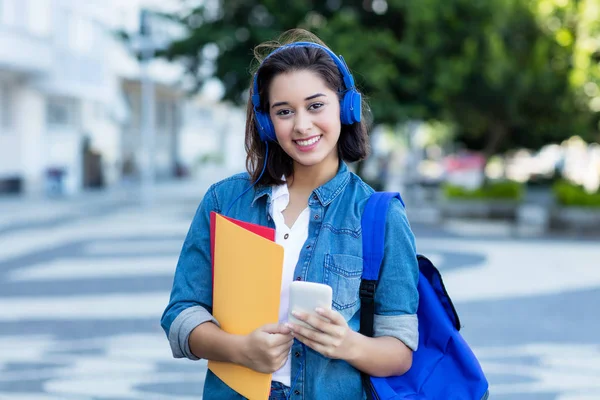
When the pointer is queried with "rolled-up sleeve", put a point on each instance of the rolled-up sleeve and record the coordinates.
(396, 297)
(190, 303)
(181, 328)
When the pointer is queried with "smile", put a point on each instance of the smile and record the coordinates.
(308, 142)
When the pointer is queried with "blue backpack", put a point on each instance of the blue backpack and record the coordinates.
(444, 367)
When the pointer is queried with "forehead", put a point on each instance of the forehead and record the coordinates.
(300, 84)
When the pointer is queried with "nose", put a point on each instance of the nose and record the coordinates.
(302, 122)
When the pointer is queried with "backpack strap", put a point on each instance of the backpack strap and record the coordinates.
(373, 244)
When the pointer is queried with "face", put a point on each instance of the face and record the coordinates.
(306, 116)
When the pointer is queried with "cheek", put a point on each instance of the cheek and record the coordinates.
(283, 128)
(331, 124)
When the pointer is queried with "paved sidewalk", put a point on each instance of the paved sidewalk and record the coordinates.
(21, 212)
(81, 299)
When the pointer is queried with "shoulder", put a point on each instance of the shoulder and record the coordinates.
(234, 180)
(361, 192)
(363, 188)
(357, 191)
(220, 191)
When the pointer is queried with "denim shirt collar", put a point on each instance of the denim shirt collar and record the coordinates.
(325, 193)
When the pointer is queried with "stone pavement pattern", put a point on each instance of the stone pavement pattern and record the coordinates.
(81, 293)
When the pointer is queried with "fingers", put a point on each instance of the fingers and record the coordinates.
(275, 329)
(332, 315)
(301, 332)
(284, 330)
(327, 336)
(276, 339)
(317, 322)
(283, 349)
(268, 348)
(271, 328)
(319, 342)
(278, 355)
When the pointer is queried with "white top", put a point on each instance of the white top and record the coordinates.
(292, 239)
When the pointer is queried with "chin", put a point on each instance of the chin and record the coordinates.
(311, 160)
(305, 162)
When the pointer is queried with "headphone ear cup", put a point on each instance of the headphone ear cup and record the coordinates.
(264, 126)
(356, 108)
(350, 107)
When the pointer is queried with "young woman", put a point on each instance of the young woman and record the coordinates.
(303, 124)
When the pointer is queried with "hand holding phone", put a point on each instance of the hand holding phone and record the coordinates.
(306, 297)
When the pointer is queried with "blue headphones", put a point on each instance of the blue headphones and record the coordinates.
(350, 104)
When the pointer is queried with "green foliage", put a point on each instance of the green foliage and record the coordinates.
(569, 194)
(499, 190)
(506, 73)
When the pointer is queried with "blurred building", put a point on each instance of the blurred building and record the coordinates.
(57, 88)
(70, 99)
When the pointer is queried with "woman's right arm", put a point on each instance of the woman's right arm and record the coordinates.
(190, 304)
(264, 350)
(188, 322)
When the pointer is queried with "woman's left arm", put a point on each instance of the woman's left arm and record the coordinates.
(396, 333)
(380, 356)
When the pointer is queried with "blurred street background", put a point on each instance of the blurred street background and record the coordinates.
(116, 116)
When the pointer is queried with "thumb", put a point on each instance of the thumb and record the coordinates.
(283, 329)
(270, 328)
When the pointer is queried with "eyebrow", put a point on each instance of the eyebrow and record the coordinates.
(283, 103)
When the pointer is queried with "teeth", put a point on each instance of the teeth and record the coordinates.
(308, 142)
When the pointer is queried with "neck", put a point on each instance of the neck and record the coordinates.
(308, 178)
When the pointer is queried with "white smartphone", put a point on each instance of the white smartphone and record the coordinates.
(306, 297)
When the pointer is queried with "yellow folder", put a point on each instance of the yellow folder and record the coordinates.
(247, 270)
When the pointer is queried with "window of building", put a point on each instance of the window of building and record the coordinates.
(62, 112)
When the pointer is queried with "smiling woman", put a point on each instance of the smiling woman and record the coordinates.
(304, 123)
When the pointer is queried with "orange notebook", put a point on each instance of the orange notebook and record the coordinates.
(247, 268)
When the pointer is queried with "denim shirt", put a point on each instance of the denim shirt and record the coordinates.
(332, 254)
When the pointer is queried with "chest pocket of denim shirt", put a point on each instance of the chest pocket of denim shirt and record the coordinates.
(342, 273)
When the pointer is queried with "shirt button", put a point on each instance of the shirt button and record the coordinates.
(317, 216)
(298, 278)
(286, 236)
(315, 197)
(297, 354)
(308, 247)
(296, 392)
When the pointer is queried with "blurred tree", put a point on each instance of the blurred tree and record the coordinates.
(512, 86)
(586, 58)
(502, 71)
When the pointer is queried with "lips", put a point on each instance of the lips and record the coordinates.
(307, 142)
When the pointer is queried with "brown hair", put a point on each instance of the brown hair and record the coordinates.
(353, 144)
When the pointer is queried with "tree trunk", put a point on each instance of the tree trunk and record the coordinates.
(498, 133)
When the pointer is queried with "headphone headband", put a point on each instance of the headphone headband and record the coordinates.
(350, 105)
(339, 62)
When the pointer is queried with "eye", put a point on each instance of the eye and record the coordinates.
(315, 106)
(283, 112)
